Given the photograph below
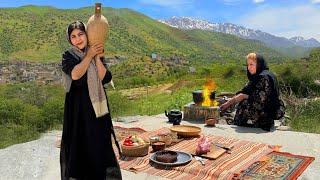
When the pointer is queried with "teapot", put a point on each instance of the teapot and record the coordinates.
(174, 116)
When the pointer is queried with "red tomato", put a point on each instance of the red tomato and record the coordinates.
(128, 143)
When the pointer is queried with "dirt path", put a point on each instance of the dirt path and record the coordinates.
(142, 91)
(156, 89)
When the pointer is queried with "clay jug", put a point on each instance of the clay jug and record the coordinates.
(97, 27)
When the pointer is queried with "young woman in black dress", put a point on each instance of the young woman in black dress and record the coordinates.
(86, 146)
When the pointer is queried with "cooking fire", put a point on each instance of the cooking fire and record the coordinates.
(204, 104)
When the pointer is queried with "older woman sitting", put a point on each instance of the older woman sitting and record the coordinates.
(259, 100)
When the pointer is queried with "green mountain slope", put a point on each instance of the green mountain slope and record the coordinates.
(37, 33)
(294, 52)
(315, 54)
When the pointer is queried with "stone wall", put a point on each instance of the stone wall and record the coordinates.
(22, 71)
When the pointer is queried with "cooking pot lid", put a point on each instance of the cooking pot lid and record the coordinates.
(175, 111)
(197, 91)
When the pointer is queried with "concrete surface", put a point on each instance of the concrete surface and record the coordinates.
(39, 159)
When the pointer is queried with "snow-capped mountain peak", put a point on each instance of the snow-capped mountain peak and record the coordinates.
(192, 23)
(300, 41)
(297, 39)
(240, 31)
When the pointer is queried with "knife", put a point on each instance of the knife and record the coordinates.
(223, 147)
(200, 159)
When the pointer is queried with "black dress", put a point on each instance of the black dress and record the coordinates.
(86, 146)
(257, 108)
(262, 105)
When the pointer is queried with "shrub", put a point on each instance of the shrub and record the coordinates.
(301, 86)
(52, 112)
(29, 93)
(315, 54)
(33, 119)
(118, 104)
(20, 122)
(205, 72)
(229, 73)
(11, 111)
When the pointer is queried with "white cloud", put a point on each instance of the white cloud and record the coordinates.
(287, 22)
(258, 1)
(315, 1)
(167, 3)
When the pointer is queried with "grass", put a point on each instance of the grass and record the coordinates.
(305, 117)
(15, 134)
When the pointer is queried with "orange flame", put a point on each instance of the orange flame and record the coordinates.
(208, 87)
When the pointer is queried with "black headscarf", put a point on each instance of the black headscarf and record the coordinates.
(261, 67)
(263, 70)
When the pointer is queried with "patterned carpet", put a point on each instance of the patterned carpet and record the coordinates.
(242, 156)
(278, 165)
(252, 160)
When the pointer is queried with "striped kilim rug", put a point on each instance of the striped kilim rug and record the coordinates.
(243, 154)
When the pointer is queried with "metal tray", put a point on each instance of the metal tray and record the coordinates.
(182, 159)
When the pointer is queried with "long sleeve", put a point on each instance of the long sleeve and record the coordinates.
(107, 77)
(68, 63)
(247, 89)
(259, 97)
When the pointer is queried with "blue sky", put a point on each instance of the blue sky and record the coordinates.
(285, 18)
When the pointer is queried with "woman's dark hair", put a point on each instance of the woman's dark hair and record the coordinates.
(75, 25)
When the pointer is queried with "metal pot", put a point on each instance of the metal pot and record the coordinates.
(198, 96)
(174, 116)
